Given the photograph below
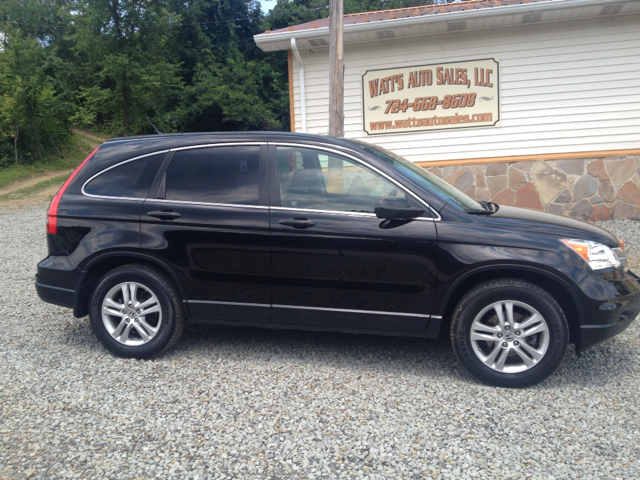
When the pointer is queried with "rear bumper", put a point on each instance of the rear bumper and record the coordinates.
(56, 280)
(610, 302)
(56, 295)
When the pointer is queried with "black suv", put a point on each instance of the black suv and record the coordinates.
(285, 230)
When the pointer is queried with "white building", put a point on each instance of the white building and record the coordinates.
(556, 122)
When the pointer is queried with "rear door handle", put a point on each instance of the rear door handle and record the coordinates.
(164, 214)
(298, 222)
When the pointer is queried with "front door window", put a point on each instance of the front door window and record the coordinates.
(316, 180)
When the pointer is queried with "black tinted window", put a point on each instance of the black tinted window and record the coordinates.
(133, 179)
(421, 176)
(215, 175)
(317, 180)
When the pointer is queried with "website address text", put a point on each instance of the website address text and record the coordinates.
(435, 120)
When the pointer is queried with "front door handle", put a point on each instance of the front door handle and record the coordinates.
(165, 214)
(298, 222)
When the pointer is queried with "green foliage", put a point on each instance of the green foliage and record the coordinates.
(107, 65)
(356, 6)
(226, 98)
(33, 115)
(294, 12)
(71, 154)
(125, 44)
(231, 84)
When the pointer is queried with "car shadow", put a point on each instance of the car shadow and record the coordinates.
(607, 363)
(305, 348)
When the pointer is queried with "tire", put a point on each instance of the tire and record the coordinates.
(519, 350)
(133, 332)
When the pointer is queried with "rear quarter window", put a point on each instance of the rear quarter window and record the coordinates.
(128, 180)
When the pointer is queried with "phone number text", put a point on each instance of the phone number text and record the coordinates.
(420, 104)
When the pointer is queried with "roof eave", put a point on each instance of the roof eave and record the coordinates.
(266, 40)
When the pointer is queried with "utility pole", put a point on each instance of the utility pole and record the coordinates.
(336, 70)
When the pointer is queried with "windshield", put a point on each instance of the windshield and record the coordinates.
(421, 176)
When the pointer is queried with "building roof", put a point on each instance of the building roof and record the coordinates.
(443, 18)
(423, 10)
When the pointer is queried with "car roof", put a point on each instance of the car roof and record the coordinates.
(143, 144)
(202, 137)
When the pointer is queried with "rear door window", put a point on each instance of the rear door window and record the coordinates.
(127, 180)
(222, 175)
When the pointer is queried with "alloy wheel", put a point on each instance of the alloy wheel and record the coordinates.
(131, 313)
(509, 336)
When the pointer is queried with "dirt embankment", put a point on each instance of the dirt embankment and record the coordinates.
(20, 193)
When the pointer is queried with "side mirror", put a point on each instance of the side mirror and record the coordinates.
(393, 207)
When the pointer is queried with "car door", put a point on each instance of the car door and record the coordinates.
(209, 221)
(337, 265)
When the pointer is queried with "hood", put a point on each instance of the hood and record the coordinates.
(547, 224)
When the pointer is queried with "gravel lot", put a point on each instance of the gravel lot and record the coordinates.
(246, 403)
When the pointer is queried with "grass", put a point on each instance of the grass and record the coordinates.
(95, 133)
(25, 192)
(87, 139)
(75, 151)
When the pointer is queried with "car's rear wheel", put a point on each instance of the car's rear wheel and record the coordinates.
(509, 333)
(135, 311)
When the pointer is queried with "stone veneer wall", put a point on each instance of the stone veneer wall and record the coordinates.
(588, 189)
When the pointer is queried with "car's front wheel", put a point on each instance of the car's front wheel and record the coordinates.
(135, 311)
(509, 333)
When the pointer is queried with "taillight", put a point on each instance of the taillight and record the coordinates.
(52, 215)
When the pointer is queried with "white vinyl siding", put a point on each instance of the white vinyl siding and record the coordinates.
(564, 87)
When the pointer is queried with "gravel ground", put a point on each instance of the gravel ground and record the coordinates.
(247, 403)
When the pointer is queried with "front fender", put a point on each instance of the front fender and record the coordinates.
(472, 252)
(447, 290)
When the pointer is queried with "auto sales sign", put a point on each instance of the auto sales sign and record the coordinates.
(441, 96)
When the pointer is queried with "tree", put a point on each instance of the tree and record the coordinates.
(125, 46)
(33, 116)
(293, 12)
(108, 64)
(230, 84)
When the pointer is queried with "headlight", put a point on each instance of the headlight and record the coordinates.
(597, 255)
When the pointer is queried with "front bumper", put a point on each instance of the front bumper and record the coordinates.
(610, 301)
